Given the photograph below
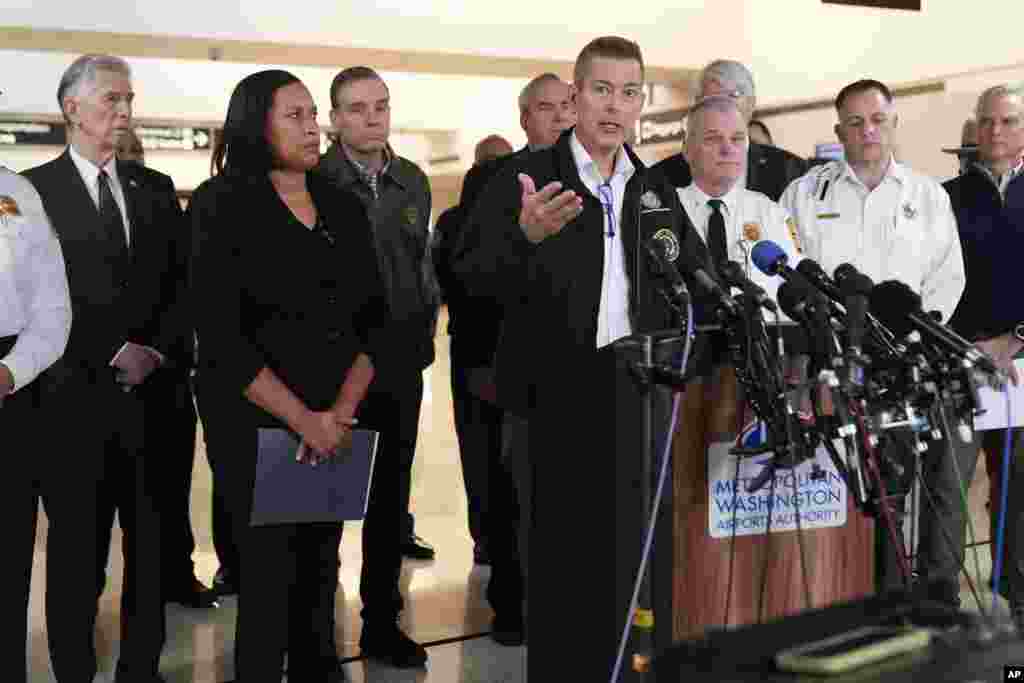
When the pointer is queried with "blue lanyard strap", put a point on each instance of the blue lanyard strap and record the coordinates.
(604, 191)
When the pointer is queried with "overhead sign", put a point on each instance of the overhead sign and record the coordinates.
(666, 126)
(32, 133)
(173, 137)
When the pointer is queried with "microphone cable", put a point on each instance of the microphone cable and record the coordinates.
(997, 568)
(656, 503)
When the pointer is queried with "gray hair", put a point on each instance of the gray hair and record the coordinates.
(1004, 90)
(531, 88)
(82, 72)
(695, 117)
(732, 72)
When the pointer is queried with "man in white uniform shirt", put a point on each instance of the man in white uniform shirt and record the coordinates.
(35, 321)
(893, 224)
(716, 148)
(876, 213)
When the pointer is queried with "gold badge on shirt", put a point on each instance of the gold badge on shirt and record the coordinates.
(752, 232)
(412, 215)
(791, 225)
(8, 207)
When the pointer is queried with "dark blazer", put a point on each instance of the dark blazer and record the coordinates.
(550, 292)
(477, 177)
(770, 170)
(144, 303)
(269, 292)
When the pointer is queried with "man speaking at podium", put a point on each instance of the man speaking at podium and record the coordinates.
(554, 240)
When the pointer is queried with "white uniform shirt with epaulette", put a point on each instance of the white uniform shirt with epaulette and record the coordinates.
(903, 230)
(34, 301)
(750, 217)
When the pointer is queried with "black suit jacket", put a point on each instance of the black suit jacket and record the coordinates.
(770, 170)
(145, 302)
(550, 292)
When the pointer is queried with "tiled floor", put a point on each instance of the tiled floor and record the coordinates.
(445, 597)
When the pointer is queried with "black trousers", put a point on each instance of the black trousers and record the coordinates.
(210, 404)
(170, 445)
(475, 430)
(18, 506)
(942, 523)
(515, 458)
(392, 407)
(289, 576)
(100, 464)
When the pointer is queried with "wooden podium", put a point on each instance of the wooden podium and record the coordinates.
(840, 560)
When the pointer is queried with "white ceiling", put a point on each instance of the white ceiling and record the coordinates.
(798, 49)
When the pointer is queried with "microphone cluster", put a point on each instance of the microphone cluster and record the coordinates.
(880, 368)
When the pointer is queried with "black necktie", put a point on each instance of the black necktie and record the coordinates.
(110, 216)
(716, 234)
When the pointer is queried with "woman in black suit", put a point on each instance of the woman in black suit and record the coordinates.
(288, 303)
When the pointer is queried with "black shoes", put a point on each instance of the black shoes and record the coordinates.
(508, 631)
(192, 594)
(387, 643)
(416, 548)
(225, 582)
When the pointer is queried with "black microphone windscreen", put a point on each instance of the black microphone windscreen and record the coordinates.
(851, 281)
(892, 302)
(810, 269)
(790, 297)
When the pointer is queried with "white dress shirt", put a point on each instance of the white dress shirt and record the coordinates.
(750, 217)
(613, 314)
(904, 229)
(90, 173)
(34, 301)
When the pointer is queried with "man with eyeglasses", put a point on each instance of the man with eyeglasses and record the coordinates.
(769, 169)
(556, 240)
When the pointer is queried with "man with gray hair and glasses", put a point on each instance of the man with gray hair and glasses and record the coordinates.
(988, 200)
(120, 229)
(769, 169)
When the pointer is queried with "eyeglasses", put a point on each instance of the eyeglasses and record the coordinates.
(604, 192)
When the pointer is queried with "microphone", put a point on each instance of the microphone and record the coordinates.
(899, 309)
(707, 283)
(817, 276)
(675, 287)
(856, 288)
(734, 276)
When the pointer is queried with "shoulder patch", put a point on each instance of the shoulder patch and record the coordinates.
(8, 206)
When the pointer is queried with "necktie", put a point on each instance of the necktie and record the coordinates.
(110, 216)
(716, 233)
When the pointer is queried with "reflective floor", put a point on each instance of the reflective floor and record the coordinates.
(445, 605)
(444, 597)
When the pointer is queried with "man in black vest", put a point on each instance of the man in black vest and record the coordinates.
(119, 226)
(769, 169)
(988, 200)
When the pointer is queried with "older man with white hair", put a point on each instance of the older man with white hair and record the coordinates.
(730, 218)
(769, 169)
(120, 229)
(988, 200)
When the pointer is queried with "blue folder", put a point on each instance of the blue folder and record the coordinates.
(290, 492)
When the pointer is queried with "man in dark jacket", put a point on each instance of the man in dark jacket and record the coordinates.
(988, 199)
(769, 169)
(396, 195)
(555, 240)
(484, 429)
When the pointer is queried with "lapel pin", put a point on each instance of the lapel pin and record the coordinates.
(649, 200)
